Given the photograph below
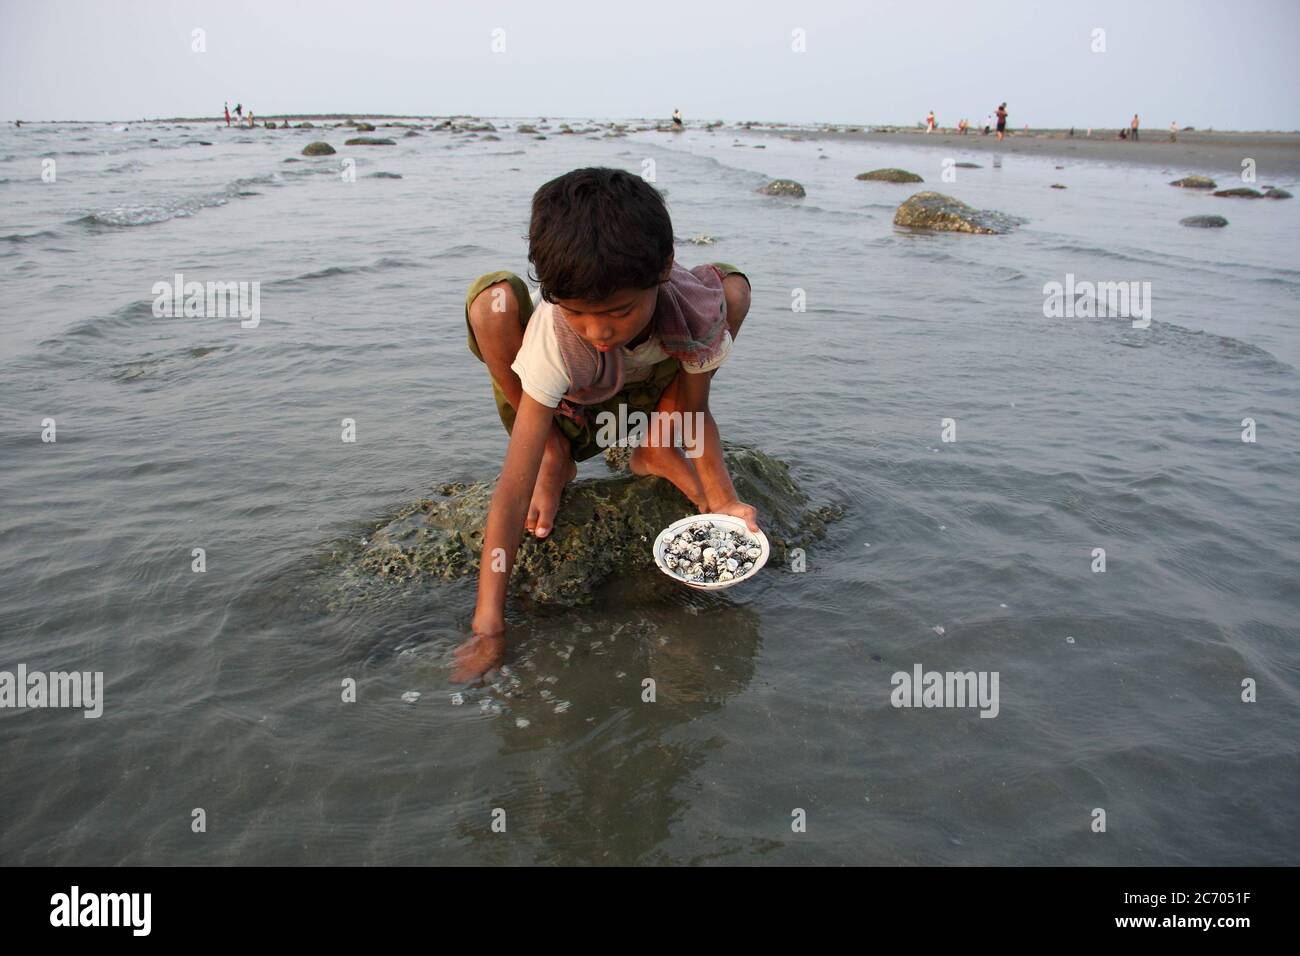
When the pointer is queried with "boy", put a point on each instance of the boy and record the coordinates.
(619, 323)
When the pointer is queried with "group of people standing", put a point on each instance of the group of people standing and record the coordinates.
(964, 124)
(239, 114)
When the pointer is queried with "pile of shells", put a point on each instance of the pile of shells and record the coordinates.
(706, 552)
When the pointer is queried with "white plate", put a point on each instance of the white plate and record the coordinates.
(670, 532)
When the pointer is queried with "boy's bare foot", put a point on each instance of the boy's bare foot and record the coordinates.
(557, 470)
(670, 463)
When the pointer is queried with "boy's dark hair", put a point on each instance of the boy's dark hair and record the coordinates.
(595, 231)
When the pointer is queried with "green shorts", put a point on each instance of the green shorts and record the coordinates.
(581, 430)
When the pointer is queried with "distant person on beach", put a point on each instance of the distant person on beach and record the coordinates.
(620, 328)
(677, 117)
(988, 123)
(251, 121)
(1002, 120)
(1133, 125)
(227, 105)
(239, 112)
(929, 122)
(1123, 134)
(1173, 131)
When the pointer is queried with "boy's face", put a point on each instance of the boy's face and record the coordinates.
(615, 321)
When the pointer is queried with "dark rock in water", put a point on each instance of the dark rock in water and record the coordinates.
(204, 142)
(365, 127)
(369, 141)
(1241, 192)
(1272, 192)
(525, 128)
(783, 187)
(1057, 186)
(411, 132)
(306, 126)
(293, 159)
(540, 136)
(490, 138)
(605, 527)
(382, 175)
(890, 176)
(1195, 182)
(1204, 222)
(971, 166)
(318, 149)
(942, 213)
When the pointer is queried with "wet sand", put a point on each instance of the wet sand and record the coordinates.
(1276, 155)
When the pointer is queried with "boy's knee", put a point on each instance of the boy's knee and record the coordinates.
(735, 288)
(493, 306)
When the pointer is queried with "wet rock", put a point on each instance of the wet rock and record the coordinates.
(383, 175)
(1057, 186)
(305, 125)
(605, 526)
(318, 149)
(1272, 192)
(525, 128)
(974, 166)
(411, 132)
(1241, 192)
(783, 187)
(929, 210)
(369, 141)
(1204, 222)
(489, 138)
(364, 127)
(890, 176)
(1195, 182)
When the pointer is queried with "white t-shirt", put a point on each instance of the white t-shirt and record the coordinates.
(541, 370)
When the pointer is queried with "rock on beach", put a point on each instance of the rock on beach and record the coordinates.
(935, 211)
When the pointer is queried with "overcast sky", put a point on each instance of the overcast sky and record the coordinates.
(1226, 65)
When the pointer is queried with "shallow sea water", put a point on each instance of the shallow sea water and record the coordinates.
(1118, 690)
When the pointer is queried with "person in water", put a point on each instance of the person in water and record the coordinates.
(677, 117)
(1133, 125)
(227, 105)
(239, 112)
(1002, 120)
(617, 321)
(929, 122)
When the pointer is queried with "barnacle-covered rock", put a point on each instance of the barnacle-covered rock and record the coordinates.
(605, 526)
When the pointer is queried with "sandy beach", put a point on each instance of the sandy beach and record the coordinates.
(1276, 155)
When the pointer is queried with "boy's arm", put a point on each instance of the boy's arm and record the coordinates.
(693, 397)
(504, 530)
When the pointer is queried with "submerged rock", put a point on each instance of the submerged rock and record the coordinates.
(318, 149)
(1057, 186)
(1272, 192)
(1195, 182)
(890, 176)
(974, 166)
(1204, 222)
(783, 187)
(365, 127)
(1241, 192)
(605, 526)
(929, 210)
(368, 141)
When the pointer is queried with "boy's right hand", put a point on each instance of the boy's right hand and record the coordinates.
(482, 653)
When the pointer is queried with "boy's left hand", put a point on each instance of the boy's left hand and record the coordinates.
(738, 509)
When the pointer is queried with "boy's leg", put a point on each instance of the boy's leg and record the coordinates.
(497, 308)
